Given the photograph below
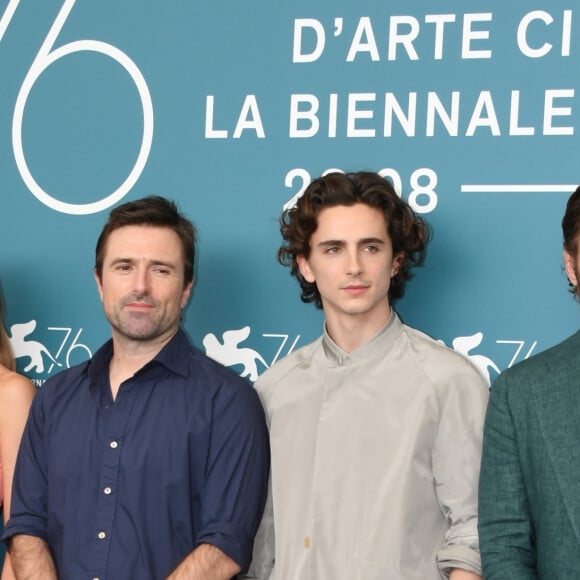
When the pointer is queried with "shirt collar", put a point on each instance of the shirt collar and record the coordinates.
(378, 344)
(173, 356)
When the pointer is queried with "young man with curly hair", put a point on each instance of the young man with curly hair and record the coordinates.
(375, 428)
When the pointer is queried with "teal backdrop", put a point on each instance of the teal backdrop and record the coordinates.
(230, 108)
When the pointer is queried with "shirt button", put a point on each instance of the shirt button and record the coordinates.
(107, 490)
(113, 445)
(101, 535)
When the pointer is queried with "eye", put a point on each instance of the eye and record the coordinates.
(123, 267)
(162, 270)
(371, 249)
(332, 250)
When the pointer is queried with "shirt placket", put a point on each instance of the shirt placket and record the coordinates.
(319, 483)
(116, 420)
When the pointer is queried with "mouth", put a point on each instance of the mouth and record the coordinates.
(355, 289)
(139, 306)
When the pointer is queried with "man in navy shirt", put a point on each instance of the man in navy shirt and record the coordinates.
(150, 460)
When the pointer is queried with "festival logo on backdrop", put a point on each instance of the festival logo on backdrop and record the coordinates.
(486, 366)
(230, 353)
(47, 56)
(38, 358)
(465, 344)
(63, 348)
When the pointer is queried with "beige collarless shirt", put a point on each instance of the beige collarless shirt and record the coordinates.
(375, 461)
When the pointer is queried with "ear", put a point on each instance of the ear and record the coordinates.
(397, 262)
(305, 269)
(185, 294)
(99, 284)
(570, 267)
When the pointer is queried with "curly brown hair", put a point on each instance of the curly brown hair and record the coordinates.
(571, 230)
(408, 232)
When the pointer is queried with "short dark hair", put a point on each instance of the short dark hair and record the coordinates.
(150, 211)
(408, 232)
(571, 230)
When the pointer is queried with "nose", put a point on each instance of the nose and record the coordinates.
(354, 266)
(142, 280)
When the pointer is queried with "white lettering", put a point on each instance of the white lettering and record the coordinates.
(439, 20)
(483, 116)
(449, 120)
(354, 114)
(447, 113)
(308, 115)
(469, 34)
(566, 32)
(405, 39)
(364, 29)
(249, 118)
(551, 111)
(515, 129)
(210, 132)
(407, 121)
(523, 45)
(320, 38)
(332, 114)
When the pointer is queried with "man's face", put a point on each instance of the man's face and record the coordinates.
(142, 286)
(572, 266)
(351, 261)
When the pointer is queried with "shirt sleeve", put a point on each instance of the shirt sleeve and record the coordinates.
(237, 473)
(29, 488)
(505, 527)
(456, 461)
(264, 545)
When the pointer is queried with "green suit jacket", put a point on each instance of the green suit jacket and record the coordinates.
(529, 491)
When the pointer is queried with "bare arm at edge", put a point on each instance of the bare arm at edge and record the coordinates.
(459, 574)
(31, 558)
(206, 562)
(16, 394)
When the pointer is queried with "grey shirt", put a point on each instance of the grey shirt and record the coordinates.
(375, 461)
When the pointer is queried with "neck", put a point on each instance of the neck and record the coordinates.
(351, 332)
(130, 356)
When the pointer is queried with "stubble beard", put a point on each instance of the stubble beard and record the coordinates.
(137, 326)
(142, 330)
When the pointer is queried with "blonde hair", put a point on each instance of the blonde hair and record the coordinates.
(6, 354)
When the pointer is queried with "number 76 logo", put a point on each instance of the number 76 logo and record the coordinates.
(48, 55)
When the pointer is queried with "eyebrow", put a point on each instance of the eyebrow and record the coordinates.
(121, 260)
(377, 241)
(361, 242)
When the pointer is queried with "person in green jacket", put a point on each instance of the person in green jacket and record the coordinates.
(529, 490)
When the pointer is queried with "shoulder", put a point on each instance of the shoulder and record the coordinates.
(547, 369)
(202, 367)
(66, 377)
(299, 360)
(61, 389)
(219, 382)
(15, 388)
(437, 360)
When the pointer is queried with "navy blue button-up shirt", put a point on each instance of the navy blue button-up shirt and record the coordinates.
(125, 489)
